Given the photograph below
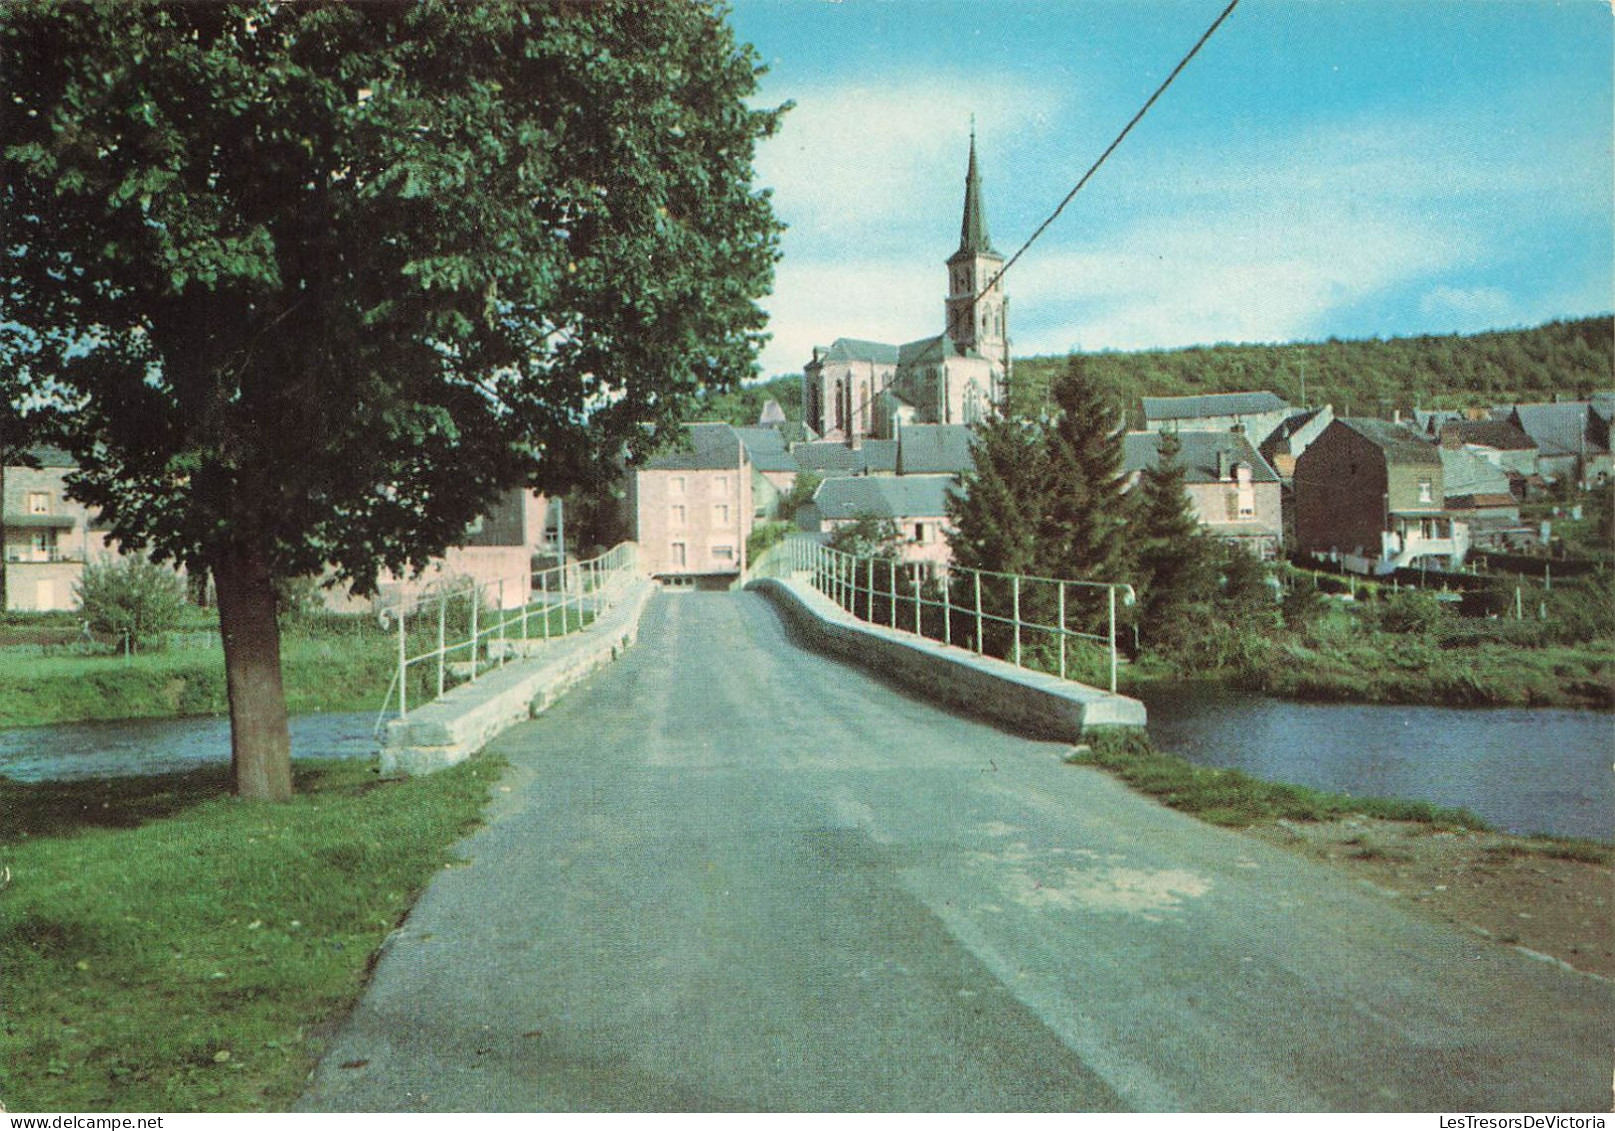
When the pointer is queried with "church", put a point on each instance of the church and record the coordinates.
(856, 388)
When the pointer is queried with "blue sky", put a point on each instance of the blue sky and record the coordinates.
(1323, 168)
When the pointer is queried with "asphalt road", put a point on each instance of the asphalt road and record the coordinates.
(731, 874)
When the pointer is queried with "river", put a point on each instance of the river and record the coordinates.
(1527, 770)
(159, 746)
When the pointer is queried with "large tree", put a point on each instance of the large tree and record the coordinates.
(310, 284)
(1175, 562)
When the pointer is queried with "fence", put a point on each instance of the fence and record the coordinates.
(1010, 616)
(478, 624)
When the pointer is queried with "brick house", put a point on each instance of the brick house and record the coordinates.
(1370, 494)
(1234, 491)
(691, 510)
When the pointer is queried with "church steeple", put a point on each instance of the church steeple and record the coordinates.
(973, 237)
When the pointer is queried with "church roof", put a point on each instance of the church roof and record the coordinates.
(973, 236)
(927, 350)
(857, 349)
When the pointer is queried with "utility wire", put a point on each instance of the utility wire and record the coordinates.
(970, 307)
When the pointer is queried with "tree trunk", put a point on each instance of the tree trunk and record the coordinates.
(260, 743)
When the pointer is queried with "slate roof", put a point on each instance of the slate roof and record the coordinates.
(1212, 404)
(43, 455)
(1280, 436)
(1400, 444)
(1465, 474)
(927, 350)
(831, 457)
(1558, 429)
(771, 415)
(935, 449)
(906, 496)
(713, 447)
(1504, 435)
(1198, 456)
(767, 449)
(857, 349)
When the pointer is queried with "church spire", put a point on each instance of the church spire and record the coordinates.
(973, 237)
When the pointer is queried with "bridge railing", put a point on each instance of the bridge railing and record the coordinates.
(1052, 624)
(459, 630)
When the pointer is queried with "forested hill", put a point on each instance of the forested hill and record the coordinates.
(1364, 377)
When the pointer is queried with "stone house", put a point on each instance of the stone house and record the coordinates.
(916, 504)
(691, 511)
(1233, 491)
(1258, 415)
(1572, 438)
(1370, 494)
(48, 536)
(1480, 493)
(857, 388)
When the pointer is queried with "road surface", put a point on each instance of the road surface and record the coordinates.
(731, 874)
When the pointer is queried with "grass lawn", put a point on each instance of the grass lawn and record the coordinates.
(164, 947)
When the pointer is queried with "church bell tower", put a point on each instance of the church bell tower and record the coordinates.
(977, 325)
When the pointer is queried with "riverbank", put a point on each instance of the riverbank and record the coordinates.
(167, 948)
(1387, 669)
(321, 674)
(1549, 896)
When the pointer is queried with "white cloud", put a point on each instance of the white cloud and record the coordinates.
(1476, 307)
(815, 303)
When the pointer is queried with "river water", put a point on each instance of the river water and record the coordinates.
(1526, 770)
(1529, 770)
(160, 746)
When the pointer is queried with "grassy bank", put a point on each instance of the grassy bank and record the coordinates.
(1236, 799)
(164, 947)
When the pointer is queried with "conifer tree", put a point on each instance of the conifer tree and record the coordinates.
(1081, 522)
(995, 517)
(1174, 560)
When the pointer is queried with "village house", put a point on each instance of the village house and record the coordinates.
(1233, 491)
(916, 504)
(1501, 443)
(1480, 493)
(48, 536)
(1572, 438)
(1258, 415)
(856, 388)
(1370, 495)
(691, 510)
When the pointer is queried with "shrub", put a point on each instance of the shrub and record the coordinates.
(131, 596)
(1411, 611)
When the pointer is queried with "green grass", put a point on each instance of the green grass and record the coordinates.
(1234, 798)
(164, 947)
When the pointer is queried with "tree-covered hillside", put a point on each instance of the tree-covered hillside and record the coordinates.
(743, 405)
(1365, 377)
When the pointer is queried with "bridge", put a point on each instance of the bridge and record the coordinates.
(728, 871)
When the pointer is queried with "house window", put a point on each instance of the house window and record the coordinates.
(680, 555)
(720, 514)
(723, 483)
(1426, 491)
(919, 532)
(677, 514)
(43, 545)
(38, 502)
(676, 484)
(723, 553)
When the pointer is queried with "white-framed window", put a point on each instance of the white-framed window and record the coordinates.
(723, 553)
(723, 483)
(680, 555)
(38, 502)
(675, 485)
(43, 545)
(676, 514)
(720, 514)
(1426, 491)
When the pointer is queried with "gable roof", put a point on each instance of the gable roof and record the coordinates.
(859, 349)
(1558, 429)
(925, 350)
(713, 447)
(767, 449)
(935, 449)
(904, 496)
(1212, 404)
(832, 457)
(1504, 435)
(1198, 456)
(1465, 474)
(1399, 443)
(771, 415)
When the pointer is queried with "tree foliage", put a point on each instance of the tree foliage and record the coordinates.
(1174, 559)
(311, 284)
(1574, 357)
(867, 536)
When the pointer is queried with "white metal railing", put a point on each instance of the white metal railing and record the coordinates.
(477, 623)
(977, 598)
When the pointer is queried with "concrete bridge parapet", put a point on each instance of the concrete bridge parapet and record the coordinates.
(466, 718)
(1027, 701)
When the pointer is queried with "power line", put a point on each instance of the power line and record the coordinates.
(957, 321)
